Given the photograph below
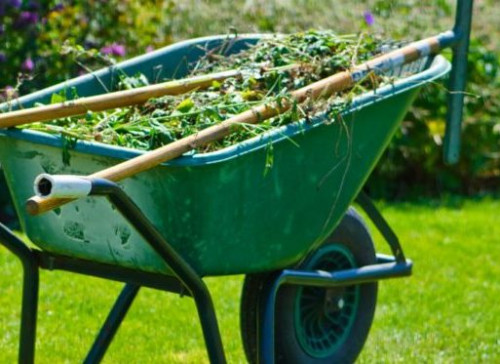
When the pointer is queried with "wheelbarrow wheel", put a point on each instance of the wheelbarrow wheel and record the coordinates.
(318, 325)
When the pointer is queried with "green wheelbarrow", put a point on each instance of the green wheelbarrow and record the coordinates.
(311, 269)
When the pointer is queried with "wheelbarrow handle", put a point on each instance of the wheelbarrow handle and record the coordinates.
(62, 186)
(462, 28)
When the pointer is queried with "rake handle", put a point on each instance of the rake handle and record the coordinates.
(323, 88)
(112, 100)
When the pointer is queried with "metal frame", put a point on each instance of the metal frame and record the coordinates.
(185, 280)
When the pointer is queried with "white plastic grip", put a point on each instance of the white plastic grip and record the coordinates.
(61, 186)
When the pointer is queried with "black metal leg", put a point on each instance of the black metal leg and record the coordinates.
(29, 315)
(210, 327)
(30, 293)
(113, 321)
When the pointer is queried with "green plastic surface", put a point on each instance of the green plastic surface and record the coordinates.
(222, 211)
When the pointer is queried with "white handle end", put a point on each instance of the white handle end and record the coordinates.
(61, 186)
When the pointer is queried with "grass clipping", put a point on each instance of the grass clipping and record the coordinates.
(272, 68)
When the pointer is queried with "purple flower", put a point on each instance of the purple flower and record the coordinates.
(28, 65)
(118, 50)
(3, 57)
(26, 18)
(32, 17)
(114, 49)
(149, 49)
(106, 50)
(369, 18)
(16, 3)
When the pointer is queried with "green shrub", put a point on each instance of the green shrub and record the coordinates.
(36, 36)
(413, 163)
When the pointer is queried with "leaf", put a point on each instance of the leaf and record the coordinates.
(251, 95)
(67, 144)
(185, 105)
(58, 98)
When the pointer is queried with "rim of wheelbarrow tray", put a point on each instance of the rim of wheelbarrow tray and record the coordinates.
(438, 68)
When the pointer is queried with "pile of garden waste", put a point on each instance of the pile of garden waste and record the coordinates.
(272, 68)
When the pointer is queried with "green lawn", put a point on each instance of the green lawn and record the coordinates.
(447, 312)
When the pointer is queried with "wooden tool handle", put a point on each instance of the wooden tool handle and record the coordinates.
(323, 88)
(112, 100)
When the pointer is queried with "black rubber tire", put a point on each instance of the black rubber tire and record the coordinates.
(250, 295)
(352, 234)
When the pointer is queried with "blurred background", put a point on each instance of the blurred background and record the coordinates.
(45, 42)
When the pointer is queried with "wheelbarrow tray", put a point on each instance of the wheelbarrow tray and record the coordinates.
(224, 212)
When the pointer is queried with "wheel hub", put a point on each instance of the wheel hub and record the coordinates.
(334, 300)
(324, 317)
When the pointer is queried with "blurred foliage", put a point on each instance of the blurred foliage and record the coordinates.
(35, 34)
(413, 163)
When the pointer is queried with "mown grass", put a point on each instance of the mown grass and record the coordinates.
(447, 312)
